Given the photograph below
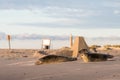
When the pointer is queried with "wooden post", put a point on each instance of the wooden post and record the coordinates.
(71, 41)
(9, 43)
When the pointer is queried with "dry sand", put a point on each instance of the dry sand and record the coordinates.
(19, 65)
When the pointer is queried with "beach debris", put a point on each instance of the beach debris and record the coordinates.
(54, 59)
(93, 57)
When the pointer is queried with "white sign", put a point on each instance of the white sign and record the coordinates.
(46, 42)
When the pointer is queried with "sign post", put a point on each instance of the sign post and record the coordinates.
(9, 43)
(46, 43)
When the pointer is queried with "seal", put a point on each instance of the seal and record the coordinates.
(54, 59)
(92, 57)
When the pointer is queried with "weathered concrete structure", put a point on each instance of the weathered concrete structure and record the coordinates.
(79, 43)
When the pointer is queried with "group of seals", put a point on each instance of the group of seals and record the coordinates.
(85, 55)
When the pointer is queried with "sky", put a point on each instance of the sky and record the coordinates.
(89, 18)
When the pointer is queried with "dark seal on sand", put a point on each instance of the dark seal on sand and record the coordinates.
(54, 59)
(92, 57)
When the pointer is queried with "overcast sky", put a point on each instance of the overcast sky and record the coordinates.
(90, 18)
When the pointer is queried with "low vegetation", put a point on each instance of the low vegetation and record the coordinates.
(114, 46)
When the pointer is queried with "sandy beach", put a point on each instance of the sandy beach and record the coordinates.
(59, 40)
(20, 66)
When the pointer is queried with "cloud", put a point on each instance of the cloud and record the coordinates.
(48, 16)
(69, 12)
(112, 3)
(59, 13)
(19, 4)
(22, 4)
(117, 12)
(53, 8)
(32, 36)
